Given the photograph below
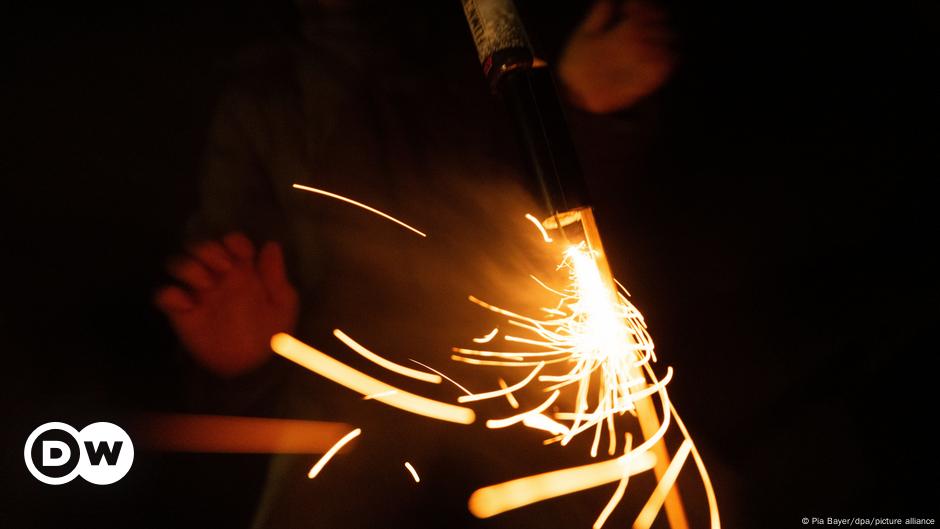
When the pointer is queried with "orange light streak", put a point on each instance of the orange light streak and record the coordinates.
(318, 466)
(488, 337)
(172, 432)
(447, 378)
(655, 502)
(387, 364)
(495, 499)
(359, 204)
(382, 394)
(538, 225)
(542, 422)
(414, 473)
(509, 421)
(509, 396)
(500, 392)
(621, 488)
(326, 366)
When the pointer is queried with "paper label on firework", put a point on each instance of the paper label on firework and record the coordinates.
(495, 25)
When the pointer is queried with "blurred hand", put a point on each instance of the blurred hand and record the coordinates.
(616, 56)
(234, 301)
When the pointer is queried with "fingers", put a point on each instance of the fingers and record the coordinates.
(273, 274)
(213, 255)
(239, 246)
(173, 300)
(208, 260)
(192, 273)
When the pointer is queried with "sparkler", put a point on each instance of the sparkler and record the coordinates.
(593, 331)
(600, 339)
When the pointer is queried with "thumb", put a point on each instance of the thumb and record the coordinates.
(273, 274)
(598, 17)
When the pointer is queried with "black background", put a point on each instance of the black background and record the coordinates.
(776, 228)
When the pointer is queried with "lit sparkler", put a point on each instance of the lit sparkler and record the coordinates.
(600, 339)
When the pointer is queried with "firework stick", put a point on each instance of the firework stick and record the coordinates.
(227, 434)
(645, 410)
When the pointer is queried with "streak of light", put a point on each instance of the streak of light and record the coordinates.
(541, 422)
(231, 434)
(509, 421)
(358, 204)
(326, 366)
(414, 473)
(509, 396)
(495, 499)
(648, 514)
(703, 472)
(387, 364)
(538, 225)
(318, 466)
(488, 337)
(447, 378)
(382, 394)
(500, 392)
(618, 494)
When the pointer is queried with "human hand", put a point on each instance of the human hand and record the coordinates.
(616, 56)
(232, 303)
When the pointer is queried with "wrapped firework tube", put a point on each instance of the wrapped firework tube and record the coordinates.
(533, 104)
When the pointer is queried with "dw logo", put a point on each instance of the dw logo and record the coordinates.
(101, 453)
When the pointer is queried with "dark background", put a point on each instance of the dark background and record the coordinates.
(775, 226)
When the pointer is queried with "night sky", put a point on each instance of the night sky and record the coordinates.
(774, 223)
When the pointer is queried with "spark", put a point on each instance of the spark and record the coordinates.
(326, 366)
(505, 390)
(594, 344)
(655, 501)
(509, 421)
(599, 335)
(318, 466)
(618, 494)
(414, 473)
(542, 422)
(495, 499)
(359, 204)
(387, 364)
(489, 337)
(382, 394)
(538, 225)
(509, 396)
(447, 378)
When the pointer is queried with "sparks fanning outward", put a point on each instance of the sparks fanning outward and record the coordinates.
(597, 341)
(591, 329)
